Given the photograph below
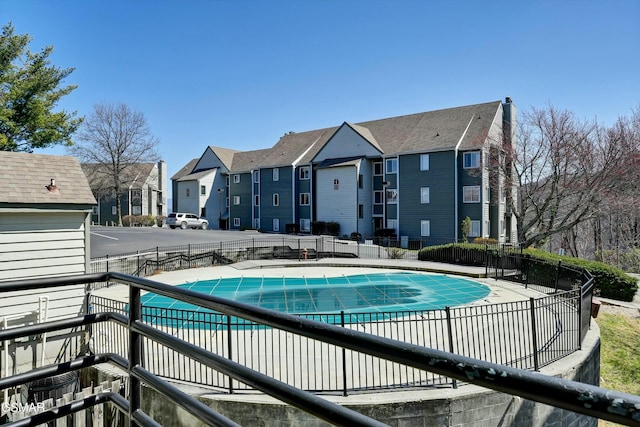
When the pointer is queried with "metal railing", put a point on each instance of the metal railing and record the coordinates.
(527, 334)
(574, 396)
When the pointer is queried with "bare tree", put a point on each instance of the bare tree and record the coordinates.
(562, 167)
(113, 140)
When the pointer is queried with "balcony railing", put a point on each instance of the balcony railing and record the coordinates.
(574, 396)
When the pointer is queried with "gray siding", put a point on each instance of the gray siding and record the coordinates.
(440, 209)
(346, 143)
(244, 209)
(284, 188)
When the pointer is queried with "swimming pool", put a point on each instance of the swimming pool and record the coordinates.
(359, 293)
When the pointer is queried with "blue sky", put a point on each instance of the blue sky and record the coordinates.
(239, 74)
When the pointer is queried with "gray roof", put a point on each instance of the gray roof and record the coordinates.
(25, 178)
(194, 176)
(186, 170)
(438, 130)
(224, 154)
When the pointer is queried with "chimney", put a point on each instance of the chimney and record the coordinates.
(52, 187)
(507, 100)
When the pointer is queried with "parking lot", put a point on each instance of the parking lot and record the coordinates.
(117, 240)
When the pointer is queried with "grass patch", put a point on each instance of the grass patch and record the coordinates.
(620, 353)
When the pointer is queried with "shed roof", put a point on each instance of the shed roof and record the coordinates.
(27, 179)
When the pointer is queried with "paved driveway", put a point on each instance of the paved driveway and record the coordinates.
(117, 240)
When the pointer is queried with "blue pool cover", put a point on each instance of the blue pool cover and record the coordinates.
(378, 292)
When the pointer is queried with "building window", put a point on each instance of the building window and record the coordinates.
(304, 172)
(113, 210)
(236, 200)
(424, 162)
(236, 179)
(203, 190)
(256, 223)
(304, 199)
(203, 212)
(94, 210)
(392, 166)
(227, 180)
(227, 201)
(276, 224)
(475, 229)
(336, 184)
(425, 228)
(392, 196)
(360, 211)
(236, 222)
(377, 168)
(360, 181)
(378, 197)
(136, 210)
(305, 224)
(471, 194)
(187, 192)
(276, 199)
(256, 177)
(424, 194)
(256, 200)
(471, 160)
(276, 174)
(392, 224)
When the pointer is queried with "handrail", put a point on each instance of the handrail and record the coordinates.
(566, 394)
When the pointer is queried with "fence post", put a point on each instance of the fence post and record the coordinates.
(298, 249)
(534, 336)
(157, 258)
(107, 263)
(344, 362)
(135, 348)
(447, 311)
(558, 275)
(189, 254)
(229, 350)
(138, 262)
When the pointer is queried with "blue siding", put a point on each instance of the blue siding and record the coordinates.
(283, 187)
(243, 210)
(440, 211)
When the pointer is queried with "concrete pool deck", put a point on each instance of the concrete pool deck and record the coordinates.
(501, 290)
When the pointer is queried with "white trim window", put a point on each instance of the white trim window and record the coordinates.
(425, 228)
(475, 231)
(424, 162)
(256, 177)
(203, 190)
(276, 199)
(304, 172)
(378, 197)
(276, 174)
(236, 179)
(256, 200)
(236, 222)
(471, 194)
(471, 159)
(236, 200)
(424, 194)
(392, 165)
(305, 224)
(377, 168)
(114, 210)
(256, 223)
(276, 224)
(305, 199)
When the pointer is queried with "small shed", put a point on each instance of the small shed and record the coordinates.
(45, 210)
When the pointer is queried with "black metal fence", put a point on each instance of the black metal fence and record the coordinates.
(526, 334)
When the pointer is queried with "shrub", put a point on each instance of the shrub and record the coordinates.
(485, 241)
(610, 281)
(385, 232)
(395, 253)
(333, 228)
(356, 236)
(128, 220)
(146, 220)
(160, 220)
(318, 227)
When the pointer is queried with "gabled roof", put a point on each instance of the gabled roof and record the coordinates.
(224, 154)
(101, 181)
(186, 170)
(26, 177)
(195, 176)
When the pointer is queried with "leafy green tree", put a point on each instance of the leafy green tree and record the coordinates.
(30, 88)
